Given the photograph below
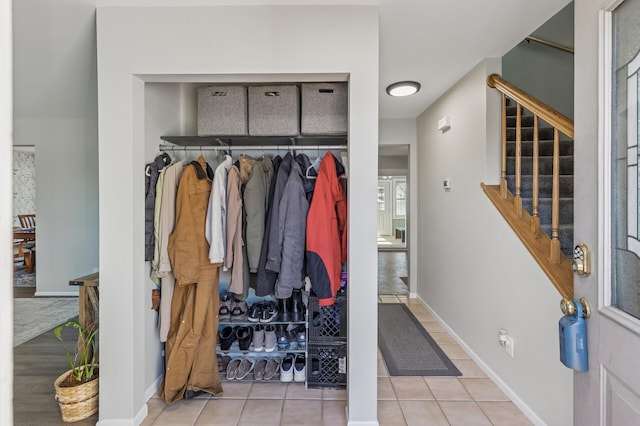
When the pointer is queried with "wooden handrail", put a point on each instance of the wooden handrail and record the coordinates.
(548, 114)
(550, 44)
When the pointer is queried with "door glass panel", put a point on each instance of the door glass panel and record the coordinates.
(381, 199)
(625, 280)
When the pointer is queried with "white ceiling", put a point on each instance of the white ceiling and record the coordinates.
(433, 42)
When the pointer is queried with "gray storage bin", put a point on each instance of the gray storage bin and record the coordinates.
(324, 109)
(222, 111)
(274, 111)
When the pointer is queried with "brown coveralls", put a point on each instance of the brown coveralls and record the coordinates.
(190, 349)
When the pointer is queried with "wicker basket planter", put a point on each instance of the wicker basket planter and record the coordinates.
(76, 402)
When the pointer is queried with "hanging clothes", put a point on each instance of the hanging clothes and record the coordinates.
(166, 223)
(266, 279)
(326, 232)
(155, 262)
(216, 223)
(191, 343)
(255, 198)
(291, 234)
(151, 172)
(309, 174)
(234, 257)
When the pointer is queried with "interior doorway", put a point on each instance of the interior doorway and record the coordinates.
(24, 204)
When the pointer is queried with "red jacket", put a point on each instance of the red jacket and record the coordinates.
(326, 232)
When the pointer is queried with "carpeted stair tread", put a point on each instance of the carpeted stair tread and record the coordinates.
(545, 148)
(545, 206)
(565, 235)
(545, 186)
(545, 165)
(544, 133)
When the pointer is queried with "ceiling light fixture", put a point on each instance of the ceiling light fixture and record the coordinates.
(403, 88)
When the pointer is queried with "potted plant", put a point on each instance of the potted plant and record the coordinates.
(77, 388)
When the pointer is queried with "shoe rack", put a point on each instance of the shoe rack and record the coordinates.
(242, 327)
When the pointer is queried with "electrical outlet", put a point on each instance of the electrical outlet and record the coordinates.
(509, 346)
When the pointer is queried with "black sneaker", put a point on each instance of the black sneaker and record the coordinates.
(281, 336)
(239, 311)
(255, 312)
(269, 312)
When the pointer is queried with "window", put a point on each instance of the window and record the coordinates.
(400, 198)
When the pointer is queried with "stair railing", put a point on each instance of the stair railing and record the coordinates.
(561, 124)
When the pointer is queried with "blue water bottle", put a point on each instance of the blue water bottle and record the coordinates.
(573, 337)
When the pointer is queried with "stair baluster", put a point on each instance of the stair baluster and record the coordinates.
(535, 213)
(503, 172)
(555, 200)
(517, 201)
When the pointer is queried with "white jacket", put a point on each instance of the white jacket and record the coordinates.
(215, 226)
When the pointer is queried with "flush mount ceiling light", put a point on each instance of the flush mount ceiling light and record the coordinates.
(403, 88)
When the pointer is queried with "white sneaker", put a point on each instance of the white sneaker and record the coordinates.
(286, 368)
(300, 369)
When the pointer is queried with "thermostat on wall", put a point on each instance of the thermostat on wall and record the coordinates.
(444, 123)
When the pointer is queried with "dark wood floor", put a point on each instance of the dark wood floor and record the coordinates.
(23, 292)
(37, 364)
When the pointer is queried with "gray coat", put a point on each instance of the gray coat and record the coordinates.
(273, 249)
(291, 233)
(255, 197)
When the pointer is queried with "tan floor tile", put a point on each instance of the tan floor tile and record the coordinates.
(447, 389)
(454, 351)
(390, 414)
(443, 338)
(382, 369)
(413, 388)
(389, 299)
(385, 390)
(154, 407)
(268, 390)
(261, 412)
(334, 394)
(181, 412)
(483, 390)
(380, 354)
(504, 414)
(402, 298)
(221, 412)
(299, 391)
(423, 413)
(300, 412)
(334, 413)
(433, 326)
(235, 390)
(469, 368)
(464, 413)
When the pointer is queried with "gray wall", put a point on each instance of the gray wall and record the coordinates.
(544, 72)
(499, 285)
(55, 109)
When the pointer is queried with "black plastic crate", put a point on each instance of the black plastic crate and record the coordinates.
(327, 324)
(327, 366)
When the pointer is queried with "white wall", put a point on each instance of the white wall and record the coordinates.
(6, 281)
(55, 109)
(402, 131)
(542, 71)
(131, 55)
(474, 272)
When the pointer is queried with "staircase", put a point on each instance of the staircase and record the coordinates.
(545, 181)
(535, 194)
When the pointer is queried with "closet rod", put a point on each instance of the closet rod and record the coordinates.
(173, 148)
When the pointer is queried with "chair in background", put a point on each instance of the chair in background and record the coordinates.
(20, 252)
(27, 220)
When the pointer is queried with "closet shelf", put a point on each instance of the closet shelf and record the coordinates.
(257, 141)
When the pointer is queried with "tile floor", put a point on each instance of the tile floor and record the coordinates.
(472, 399)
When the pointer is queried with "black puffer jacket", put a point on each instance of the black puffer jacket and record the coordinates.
(151, 173)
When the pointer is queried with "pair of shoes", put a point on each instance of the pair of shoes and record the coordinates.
(239, 310)
(223, 361)
(226, 337)
(266, 368)
(264, 338)
(292, 309)
(263, 312)
(239, 368)
(293, 368)
(299, 335)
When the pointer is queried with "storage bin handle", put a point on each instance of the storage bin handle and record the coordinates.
(325, 90)
(218, 93)
(272, 93)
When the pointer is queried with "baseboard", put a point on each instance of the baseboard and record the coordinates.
(56, 294)
(526, 410)
(152, 390)
(413, 296)
(353, 423)
(144, 410)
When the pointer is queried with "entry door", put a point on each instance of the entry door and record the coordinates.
(384, 207)
(609, 393)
